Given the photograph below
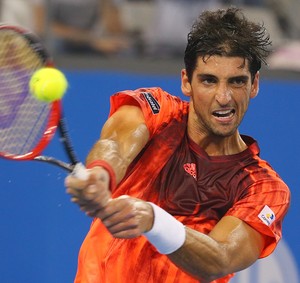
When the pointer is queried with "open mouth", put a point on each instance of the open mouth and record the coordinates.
(224, 113)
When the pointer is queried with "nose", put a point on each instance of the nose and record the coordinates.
(223, 95)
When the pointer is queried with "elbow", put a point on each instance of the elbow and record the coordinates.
(204, 258)
(216, 270)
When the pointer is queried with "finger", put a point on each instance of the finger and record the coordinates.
(79, 184)
(72, 182)
(119, 215)
(90, 207)
(81, 193)
(116, 217)
(90, 190)
(126, 234)
(127, 224)
(116, 209)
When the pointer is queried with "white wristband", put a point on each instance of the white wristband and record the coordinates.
(167, 233)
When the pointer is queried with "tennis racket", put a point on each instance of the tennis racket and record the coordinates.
(27, 125)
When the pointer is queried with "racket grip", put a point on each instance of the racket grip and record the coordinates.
(80, 172)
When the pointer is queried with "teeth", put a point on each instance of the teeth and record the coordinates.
(224, 113)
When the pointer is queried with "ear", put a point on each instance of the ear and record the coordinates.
(255, 86)
(186, 87)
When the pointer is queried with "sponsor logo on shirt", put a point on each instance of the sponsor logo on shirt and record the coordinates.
(267, 215)
(190, 168)
(154, 105)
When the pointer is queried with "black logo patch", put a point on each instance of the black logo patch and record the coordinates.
(154, 105)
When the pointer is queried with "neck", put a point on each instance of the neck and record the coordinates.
(217, 145)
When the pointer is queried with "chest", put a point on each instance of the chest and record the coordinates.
(193, 184)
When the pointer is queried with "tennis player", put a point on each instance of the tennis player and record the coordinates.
(176, 192)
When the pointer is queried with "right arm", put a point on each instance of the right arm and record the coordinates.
(122, 138)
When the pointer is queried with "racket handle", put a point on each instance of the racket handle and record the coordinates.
(80, 172)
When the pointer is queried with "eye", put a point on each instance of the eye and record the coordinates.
(208, 80)
(239, 81)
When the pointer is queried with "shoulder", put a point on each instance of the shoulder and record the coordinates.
(158, 106)
(143, 94)
(153, 101)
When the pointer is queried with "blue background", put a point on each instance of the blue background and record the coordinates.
(41, 230)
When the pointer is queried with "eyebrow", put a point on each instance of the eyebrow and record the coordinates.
(207, 76)
(242, 78)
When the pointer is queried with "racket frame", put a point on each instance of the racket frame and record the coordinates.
(55, 119)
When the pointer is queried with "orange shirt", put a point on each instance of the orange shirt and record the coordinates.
(197, 189)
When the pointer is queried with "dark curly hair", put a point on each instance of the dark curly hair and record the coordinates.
(227, 33)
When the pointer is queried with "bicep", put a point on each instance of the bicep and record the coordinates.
(242, 243)
(122, 138)
(127, 127)
(230, 247)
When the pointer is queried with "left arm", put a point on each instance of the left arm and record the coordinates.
(231, 246)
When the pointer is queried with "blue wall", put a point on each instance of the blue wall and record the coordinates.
(41, 230)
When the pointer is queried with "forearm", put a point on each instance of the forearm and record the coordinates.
(109, 151)
(123, 136)
(231, 246)
(201, 256)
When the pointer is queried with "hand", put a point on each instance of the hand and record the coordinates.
(92, 194)
(127, 217)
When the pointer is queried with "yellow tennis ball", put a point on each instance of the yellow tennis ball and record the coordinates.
(48, 84)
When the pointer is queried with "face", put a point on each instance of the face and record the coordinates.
(220, 91)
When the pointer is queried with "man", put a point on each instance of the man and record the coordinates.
(178, 194)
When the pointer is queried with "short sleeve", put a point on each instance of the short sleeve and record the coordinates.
(158, 106)
(264, 207)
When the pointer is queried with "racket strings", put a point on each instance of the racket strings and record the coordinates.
(23, 119)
